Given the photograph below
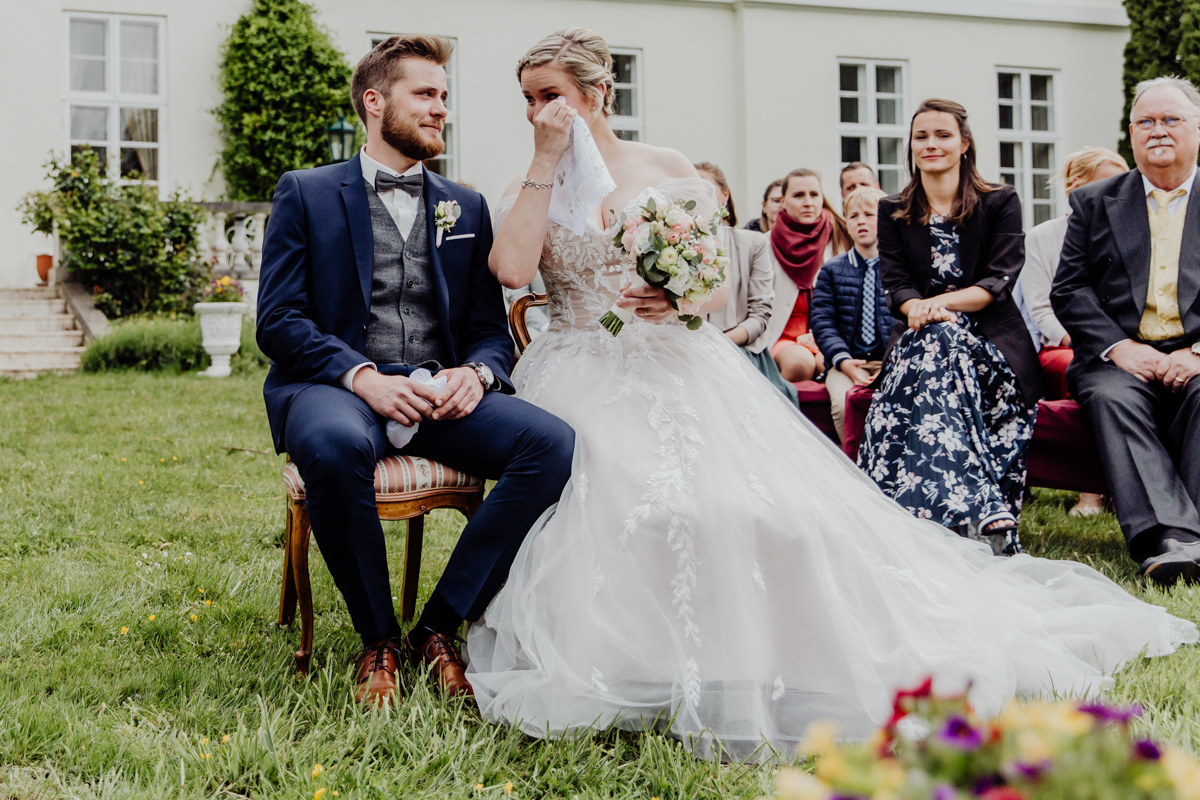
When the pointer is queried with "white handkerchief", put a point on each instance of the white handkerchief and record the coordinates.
(399, 435)
(581, 181)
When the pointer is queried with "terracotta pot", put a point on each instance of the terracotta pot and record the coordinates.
(44, 263)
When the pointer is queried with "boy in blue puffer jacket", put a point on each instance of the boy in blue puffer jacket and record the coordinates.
(852, 333)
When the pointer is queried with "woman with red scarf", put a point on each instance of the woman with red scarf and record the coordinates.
(806, 234)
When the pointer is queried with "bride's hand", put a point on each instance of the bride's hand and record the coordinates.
(552, 130)
(647, 302)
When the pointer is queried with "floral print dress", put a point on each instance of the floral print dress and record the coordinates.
(947, 430)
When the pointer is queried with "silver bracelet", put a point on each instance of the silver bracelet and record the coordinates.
(528, 184)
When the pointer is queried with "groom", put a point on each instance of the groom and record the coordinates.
(360, 287)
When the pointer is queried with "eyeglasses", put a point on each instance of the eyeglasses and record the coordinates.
(1147, 124)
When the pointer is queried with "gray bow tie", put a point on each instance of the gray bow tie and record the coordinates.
(409, 183)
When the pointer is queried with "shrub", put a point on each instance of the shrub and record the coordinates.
(138, 252)
(283, 82)
(162, 344)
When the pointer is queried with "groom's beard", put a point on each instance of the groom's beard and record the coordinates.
(405, 136)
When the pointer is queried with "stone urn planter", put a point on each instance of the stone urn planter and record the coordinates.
(221, 326)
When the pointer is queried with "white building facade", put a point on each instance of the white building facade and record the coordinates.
(790, 83)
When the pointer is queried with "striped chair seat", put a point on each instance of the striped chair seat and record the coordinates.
(395, 476)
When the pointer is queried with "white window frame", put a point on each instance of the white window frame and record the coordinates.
(637, 122)
(1024, 136)
(113, 99)
(870, 129)
(452, 155)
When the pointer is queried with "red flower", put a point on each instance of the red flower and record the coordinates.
(1003, 793)
(901, 708)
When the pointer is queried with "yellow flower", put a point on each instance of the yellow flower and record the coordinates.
(174, 458)
(1183, 772)
(833, 768)
(204, 740)
(207, 755)
(201, 591)
(478, 788)
(208, 602)
(162, 460)
(319, 793)
(508, 787)
(141, 483)
(225, 739)
(193, 618)
(151, 618)
(334, 792)
(122, 459)
(317, 770)
(795, 784)
(124, 630)
(818, 738)
(181, 558)
(1034, 747)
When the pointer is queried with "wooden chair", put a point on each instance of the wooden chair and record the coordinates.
(406, 488)
(516, 318)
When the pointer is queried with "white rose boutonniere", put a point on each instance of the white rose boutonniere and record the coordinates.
(444, 217)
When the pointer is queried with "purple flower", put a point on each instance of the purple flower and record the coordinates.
(1031, 771)
(1146, 750)
(944, 791)
(1104, 713)
(957, 732)
(981, 785)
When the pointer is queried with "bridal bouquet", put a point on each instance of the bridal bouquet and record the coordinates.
(674, 251)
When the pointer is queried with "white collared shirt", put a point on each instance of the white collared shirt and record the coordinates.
(1176, 202)
(400, 204)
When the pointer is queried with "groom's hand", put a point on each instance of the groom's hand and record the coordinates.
(394, 396)
(462, 393)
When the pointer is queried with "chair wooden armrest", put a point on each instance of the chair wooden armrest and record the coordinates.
(516, 318)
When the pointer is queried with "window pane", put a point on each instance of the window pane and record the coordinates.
(1010, 154)
(139, 40)
(623, 68)
(448, 138)
(139, 162)
(889, 180)
(887, 80)
(440, 166)
(850, 106)
(101, 153)
(88, 75)
(887, 112)
(89, 123)
(852, 148)
(1039, 87)
(1009, 178)
(1007, 117)
(1042, 189)
(139, 125)
(1010, 85)
(849, 77)
(1039, 118)
(629, 136)
(624, 103)
(1042, 213)
(1043, 153)
(139, 77)
(889, 150)
(88, 37)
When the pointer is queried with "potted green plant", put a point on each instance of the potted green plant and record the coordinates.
(220, 316)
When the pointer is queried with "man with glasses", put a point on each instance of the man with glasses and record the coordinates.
(1128, 292)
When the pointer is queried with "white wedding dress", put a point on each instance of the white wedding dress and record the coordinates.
(716, 568)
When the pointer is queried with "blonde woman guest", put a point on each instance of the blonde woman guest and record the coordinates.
(1043, 245)
(771, 202)
(806, 234)
(746, 315)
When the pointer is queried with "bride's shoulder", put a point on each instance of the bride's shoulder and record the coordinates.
(662, 161)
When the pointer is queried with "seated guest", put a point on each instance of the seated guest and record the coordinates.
(750, 276)
(806, 234)
(1043, 245)
(947, 430)
(856, 175)
(849, 317)
(772, 198)
(1127, 291)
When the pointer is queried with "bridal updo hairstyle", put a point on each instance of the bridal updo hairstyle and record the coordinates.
(583, 54)
(384, 65)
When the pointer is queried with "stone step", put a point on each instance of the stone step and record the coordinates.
(32, 324)
(39, 340)
(32, 308)
(40, 359)
(23, 295)
(24, 374)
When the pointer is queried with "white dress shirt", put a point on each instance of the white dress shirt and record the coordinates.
(403, 208)
(1172, 208)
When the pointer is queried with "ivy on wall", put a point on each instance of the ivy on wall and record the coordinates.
(283, 81)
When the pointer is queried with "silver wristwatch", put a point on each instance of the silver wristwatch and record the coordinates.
(486, 377)
(1196, 348)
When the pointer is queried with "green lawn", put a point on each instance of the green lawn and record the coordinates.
(139, 656)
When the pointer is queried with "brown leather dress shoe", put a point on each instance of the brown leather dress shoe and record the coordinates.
(449, 669)
(376, 679)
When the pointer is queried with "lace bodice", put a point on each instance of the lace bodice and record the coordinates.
(585, 273)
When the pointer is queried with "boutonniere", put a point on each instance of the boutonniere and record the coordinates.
(444, 217)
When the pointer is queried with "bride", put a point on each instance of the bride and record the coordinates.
(715, 567)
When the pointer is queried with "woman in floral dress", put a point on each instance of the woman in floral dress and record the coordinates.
(948, 427)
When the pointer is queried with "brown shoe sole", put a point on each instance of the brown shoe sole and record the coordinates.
(1167, 573)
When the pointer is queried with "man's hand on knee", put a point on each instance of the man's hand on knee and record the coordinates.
(394, 396)
(462, 393)
(1176, 370)
(1139, 360)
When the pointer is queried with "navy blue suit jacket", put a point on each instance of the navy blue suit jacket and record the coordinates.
(314, 296)
(836, 313)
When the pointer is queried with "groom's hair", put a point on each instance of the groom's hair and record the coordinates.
(384, 65)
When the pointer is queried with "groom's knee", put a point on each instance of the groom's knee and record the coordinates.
(552, 446)
(333, 448)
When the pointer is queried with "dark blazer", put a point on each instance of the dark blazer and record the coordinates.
(836, 313)
(991, 248)
(1099, 290)
(314, 298)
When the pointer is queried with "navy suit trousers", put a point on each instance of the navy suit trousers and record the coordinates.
(335, 439)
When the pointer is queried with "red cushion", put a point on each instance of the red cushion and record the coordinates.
(814, 404)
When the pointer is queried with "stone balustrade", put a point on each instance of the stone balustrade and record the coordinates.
(231, 240)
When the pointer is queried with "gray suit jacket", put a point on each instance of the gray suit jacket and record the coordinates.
(751, 276)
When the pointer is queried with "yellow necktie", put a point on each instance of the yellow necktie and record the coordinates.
(1163, 199)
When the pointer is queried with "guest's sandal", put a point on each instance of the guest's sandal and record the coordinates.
(1004, 538)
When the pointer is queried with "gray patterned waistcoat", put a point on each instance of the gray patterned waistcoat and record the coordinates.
(404, 326)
